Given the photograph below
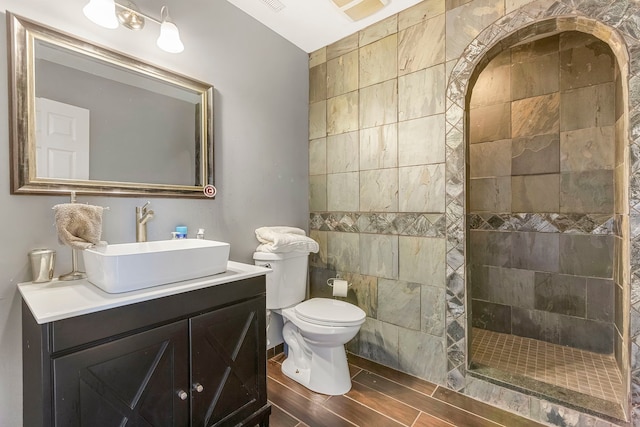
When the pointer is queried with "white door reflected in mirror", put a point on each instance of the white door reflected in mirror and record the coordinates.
(62, 140)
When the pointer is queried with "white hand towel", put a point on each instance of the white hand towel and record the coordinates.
(79, 225)
(285, 239)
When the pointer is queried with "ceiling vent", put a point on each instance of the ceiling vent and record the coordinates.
(359, 9)
(274, 5)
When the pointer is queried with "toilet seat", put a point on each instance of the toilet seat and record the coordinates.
(329, 312)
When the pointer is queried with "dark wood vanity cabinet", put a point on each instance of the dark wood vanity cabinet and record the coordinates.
(192, 359)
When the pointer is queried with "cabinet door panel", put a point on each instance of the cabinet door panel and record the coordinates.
(132, 381)
(228, 350)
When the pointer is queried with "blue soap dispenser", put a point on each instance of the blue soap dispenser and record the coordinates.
(181, 232)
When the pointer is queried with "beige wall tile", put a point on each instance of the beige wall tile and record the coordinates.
(490, 194)
(587, 192)
(535, 49)
(342, 46)
(512, 5)
(432, 308)
(318, 156)
(343, 152)
(535, 193)
(379, 104)
(365, 289)
(317, 57)
(342, 113)
(419, 13)
(490, 159)
(379, 147)
(377, 341)
(342, 74)
(379, 190)
(421, 141)
(421, 93)
(535, 116)
(421, 188)
(343, 192)
(535, 77)
(379, 30)
(343, 252)
(318, 120)
(319, 259)
(378, 61)
(399, 303)
(422, 260)
(379, 255)
(422, 355)
(318, 193)
(421, 46)
(318, 83)
(584, 61)
(578, 110)
(467, 21)
(535, 155)
(452, 4)
(587, 149)
(490, 123)
(494, 83)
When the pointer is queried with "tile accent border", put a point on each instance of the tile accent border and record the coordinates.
(402, 224)
(544, 223)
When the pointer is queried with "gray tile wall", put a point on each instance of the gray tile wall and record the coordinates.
(476, 31)
(558, 158)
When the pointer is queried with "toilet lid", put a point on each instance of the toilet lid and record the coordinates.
(330, 312)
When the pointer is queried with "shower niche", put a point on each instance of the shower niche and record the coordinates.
(546, 145)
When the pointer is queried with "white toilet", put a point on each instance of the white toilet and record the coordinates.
(315, 330)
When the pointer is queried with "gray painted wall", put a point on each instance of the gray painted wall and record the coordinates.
(261, 155)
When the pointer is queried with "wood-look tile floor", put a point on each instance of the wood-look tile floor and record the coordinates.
(380, 397)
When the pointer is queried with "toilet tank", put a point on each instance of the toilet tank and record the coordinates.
(287, 283)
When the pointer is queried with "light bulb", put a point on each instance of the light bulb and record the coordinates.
(102, 12)
(169, 39)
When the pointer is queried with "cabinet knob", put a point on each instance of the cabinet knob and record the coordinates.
(198, 387)
(182, 395)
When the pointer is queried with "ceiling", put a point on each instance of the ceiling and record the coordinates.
(312, 24)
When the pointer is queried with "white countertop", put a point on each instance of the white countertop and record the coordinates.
(58, 300)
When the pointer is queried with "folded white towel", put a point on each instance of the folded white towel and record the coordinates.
(268, 234)
(284, 239)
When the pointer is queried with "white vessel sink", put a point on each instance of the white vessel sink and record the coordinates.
(130, 266)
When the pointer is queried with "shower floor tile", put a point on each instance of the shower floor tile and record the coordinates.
(589, 373)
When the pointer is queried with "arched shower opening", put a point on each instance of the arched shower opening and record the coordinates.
(545, 193)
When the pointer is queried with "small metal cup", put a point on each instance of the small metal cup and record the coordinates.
(42, 263)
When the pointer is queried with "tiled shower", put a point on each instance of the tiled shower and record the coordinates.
(391, 191)
(542, 155)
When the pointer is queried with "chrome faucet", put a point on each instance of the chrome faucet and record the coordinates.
(143, 215)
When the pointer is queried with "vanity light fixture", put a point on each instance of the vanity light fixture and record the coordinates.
(107, 14)
(169, 39)
(101, 12)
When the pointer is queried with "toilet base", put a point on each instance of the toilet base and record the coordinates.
(328, 371)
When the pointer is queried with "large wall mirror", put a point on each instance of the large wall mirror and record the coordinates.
(87, 119)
